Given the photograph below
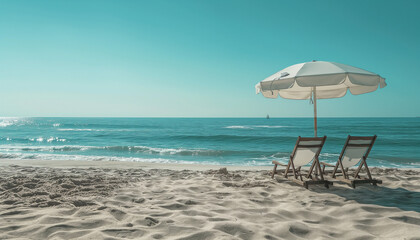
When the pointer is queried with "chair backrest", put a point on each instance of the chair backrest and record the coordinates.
(355, 149)
(306, 149)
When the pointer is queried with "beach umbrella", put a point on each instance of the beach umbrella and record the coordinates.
(319, 80)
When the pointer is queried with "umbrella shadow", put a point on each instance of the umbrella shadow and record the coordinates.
(378, 195)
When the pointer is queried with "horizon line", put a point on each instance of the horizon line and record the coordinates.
(204, 117)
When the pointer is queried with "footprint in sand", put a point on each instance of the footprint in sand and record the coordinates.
(147, 221)
(174, 206)
(151, 221)
(83, 203)
(117, 214)
(157, 236)
(139, 200)
(235, 230)
(300, 230)
(124, 233)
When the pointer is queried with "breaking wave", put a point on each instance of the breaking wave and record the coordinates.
(122, 149)
(66, 157)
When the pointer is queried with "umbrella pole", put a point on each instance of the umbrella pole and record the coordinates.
(315, 120)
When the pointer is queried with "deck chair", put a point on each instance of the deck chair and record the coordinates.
(355, 151)
(306, 150)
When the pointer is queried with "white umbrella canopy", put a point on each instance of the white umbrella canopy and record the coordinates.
(319, 80)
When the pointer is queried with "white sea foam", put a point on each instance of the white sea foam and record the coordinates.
(332, 155)
(139, 149)
(56, 139)
(12, 121)
(93, 130)
(17, 148)
(49, 139)
(268, 126)
(79, 129)
(254, 126)
(238, 127)
(46, 156)
(170, 151)
(26, 156)
(415, 164)
(5, 122)
(156, 154)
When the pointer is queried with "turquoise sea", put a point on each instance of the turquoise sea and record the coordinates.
(227, 141)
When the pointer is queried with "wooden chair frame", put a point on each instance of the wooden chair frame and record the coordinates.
(297, 172)
(356, 177)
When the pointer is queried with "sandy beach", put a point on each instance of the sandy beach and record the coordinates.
(123, 200)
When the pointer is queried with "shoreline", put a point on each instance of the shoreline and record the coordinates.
(122, 164)
(146, 165)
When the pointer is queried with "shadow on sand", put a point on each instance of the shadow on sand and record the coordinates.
(378, 195)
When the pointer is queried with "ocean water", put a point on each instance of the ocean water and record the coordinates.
(224, 141)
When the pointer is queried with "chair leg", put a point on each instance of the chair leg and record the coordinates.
(356, 174)
(343, 170)
(335, 170)
(300, 175)
(274, 170)
(310, 170)
(294, 170)
(368, 172)
(319, 167)
(287, 169)
(367, 169)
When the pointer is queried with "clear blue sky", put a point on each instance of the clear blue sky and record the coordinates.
(200, 58)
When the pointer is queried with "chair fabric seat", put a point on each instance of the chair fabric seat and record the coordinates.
(304, 156)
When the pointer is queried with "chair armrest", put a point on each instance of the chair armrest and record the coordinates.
(324, 164)
(278, 163)
(327, 164)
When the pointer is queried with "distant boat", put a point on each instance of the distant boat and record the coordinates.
(268, 117)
